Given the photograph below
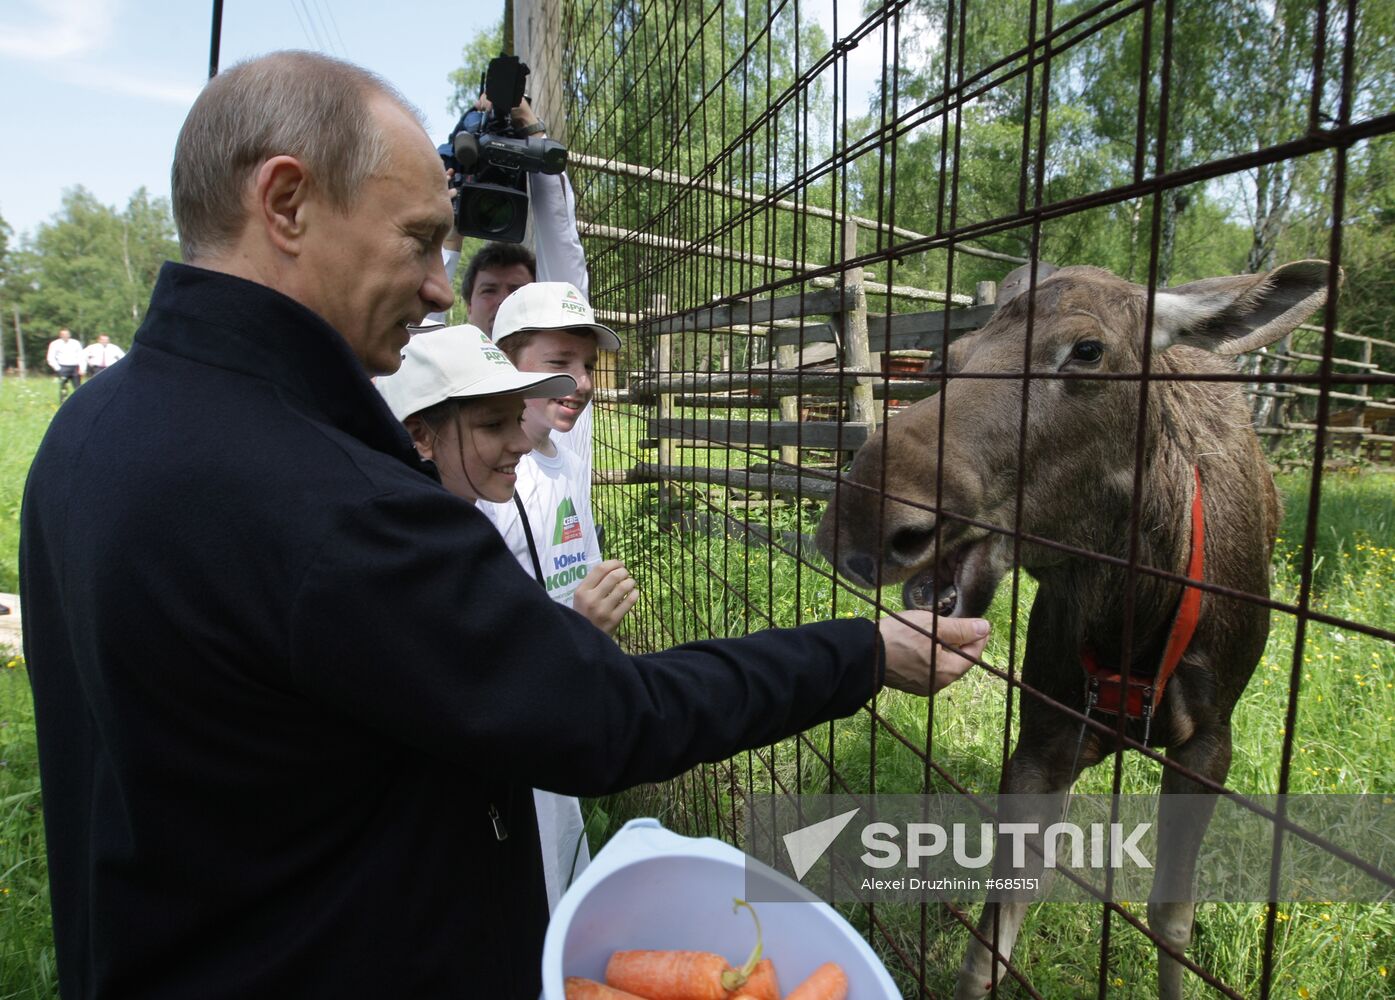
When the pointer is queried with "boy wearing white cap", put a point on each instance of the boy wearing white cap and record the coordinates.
(548, 327)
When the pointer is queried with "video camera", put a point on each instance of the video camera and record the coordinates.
(491, 162)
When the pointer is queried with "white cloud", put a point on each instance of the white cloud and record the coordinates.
(110, 80)
(58, 29)
(67, 38)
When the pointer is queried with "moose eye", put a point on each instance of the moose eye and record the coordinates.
(1088, 351)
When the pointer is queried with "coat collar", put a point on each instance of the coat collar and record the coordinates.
(228, 322)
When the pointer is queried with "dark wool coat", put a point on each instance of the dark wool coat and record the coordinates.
(284, 681)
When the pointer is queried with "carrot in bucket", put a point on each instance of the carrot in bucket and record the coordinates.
(588, 989)
(763, 984)
(828, 982)
(682, 975)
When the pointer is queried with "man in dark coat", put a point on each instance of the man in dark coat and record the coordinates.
(292, 695)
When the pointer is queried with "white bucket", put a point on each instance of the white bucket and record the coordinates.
(651, 888)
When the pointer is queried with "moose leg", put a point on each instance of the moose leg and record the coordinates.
(1041, 772)
(1184, 811)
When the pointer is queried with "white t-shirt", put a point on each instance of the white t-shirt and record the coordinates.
(556, 494)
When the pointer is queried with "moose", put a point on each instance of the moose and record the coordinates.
(931, 501)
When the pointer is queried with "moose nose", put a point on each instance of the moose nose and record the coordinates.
(908, 544)
(861, 568)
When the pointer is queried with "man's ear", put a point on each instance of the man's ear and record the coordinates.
(422, 436)
(1242, 313)
(282, 186)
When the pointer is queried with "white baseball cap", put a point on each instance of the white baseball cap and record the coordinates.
(460, 362)
(550, 305)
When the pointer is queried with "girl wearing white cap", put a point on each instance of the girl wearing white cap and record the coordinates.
(462, 401)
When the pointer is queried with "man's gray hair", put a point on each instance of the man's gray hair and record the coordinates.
(299, 104)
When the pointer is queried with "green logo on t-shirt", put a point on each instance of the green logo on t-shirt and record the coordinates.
(568, 527)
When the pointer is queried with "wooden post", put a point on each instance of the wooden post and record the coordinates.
(663, 364)
(787, 356)
(19, 346)
(1276, 409)
(985, 293)
(1372, 447)
(538, 41)
(857, 355)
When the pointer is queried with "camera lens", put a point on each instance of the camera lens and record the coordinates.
(494, 213)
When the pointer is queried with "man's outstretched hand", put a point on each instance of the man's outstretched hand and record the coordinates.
(909, 649)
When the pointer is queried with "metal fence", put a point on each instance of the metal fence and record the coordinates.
(792, 209)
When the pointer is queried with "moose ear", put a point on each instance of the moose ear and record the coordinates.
(1019, 280)
(1241, 313)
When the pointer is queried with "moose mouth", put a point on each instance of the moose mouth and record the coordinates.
(960, 585)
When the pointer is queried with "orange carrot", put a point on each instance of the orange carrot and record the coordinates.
(763, 984)
(668, 975)
(827, 983)
(588, 989)
(683, 975)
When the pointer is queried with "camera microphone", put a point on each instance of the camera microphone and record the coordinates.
(467, 150)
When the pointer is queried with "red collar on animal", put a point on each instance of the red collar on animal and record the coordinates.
(1108, 688)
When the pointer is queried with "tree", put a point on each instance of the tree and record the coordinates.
(5, 235)
(474, 59)
(6, 292)
(92, 268)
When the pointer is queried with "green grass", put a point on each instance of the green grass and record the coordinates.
(26, 406)
(695, 585)
(27, 968)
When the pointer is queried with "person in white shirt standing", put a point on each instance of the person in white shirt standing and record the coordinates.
(66, 358)
(102, 355)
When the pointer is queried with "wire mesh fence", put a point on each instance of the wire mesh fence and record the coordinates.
(799, 215)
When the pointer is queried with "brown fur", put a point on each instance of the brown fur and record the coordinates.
(1077, 468)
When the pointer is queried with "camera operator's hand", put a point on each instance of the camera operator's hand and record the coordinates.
(906, 638)
(453, 241)
(522, 116)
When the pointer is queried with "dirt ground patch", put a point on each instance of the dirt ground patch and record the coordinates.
(11, 629)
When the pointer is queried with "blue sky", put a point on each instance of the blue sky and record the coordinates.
(95, 90)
